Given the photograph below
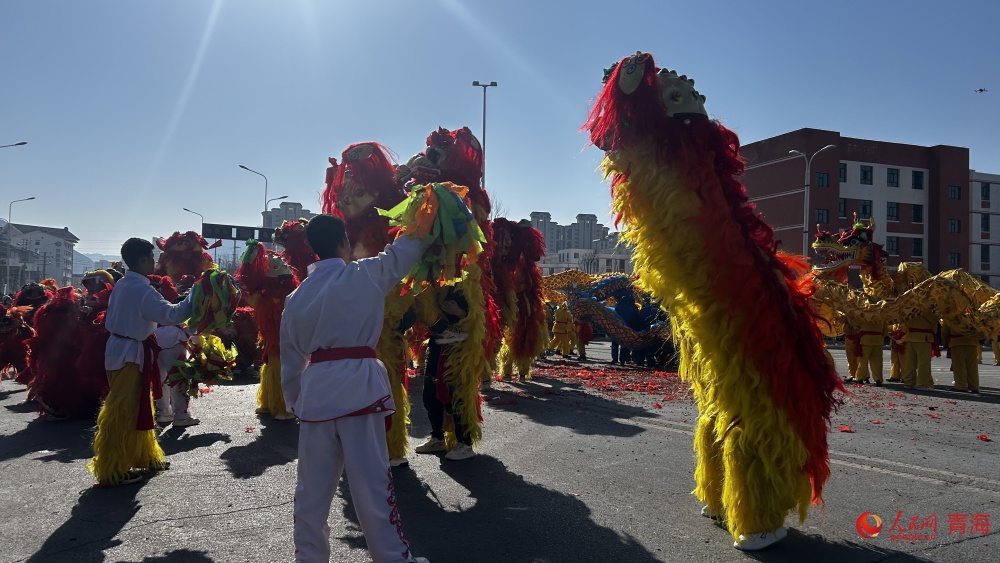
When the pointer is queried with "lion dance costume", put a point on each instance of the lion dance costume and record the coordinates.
(356, 188)
(518, 280)
(183, 255)
(457, 157)
(266, 280)
(749, 342)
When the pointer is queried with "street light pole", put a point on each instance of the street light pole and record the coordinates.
(202, 231)
(265, 190)
(6, 283)
(484, 86)
(21, 144)
(805, 206)
(268, 204)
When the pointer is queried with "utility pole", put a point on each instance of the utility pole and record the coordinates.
(45, 264)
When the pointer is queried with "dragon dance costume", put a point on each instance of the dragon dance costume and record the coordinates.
(764, 396)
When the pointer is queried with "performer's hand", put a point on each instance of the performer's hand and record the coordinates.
(452, 308)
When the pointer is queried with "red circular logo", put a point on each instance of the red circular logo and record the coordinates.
(865, 527)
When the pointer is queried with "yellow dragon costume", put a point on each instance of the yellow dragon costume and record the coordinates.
(741, 315)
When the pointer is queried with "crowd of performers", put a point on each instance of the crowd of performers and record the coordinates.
(703, 256)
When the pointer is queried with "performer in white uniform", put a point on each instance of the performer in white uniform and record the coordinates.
(172, 406)
(340, 392)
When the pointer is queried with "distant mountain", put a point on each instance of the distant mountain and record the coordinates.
(98, 257)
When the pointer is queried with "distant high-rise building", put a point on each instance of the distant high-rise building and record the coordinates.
(287, 211)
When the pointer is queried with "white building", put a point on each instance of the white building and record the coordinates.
(984, 230)
(46, 252)
(585, 233)
(287, 211)
(589, 260)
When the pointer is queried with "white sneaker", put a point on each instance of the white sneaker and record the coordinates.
(132, 477)
(419, 560)
(708, 513)
(450, 336)
(187, 422)
(753, 542)
(164, 420)
(459, 452)
(431, 446)
(398, 461)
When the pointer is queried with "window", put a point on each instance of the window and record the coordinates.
(822, 215)
(984, 254)
(892, 177)
(866, 209)
(954, 192)
(892, 246)
(918, 213)
(986, 223)
(954, 259)
(866, 175)
(822, 180)
(986, 280)
(918, 179)
(892, 211)
(843, 171)
(842, 208)
(954, 226)
(576, 255)
(917, 247)
(58, 244)
(985, 187)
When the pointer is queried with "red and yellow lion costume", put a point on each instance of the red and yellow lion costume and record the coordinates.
(748, 339)
(183, 255)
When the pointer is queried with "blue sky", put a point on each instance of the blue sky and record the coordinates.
(133, 110)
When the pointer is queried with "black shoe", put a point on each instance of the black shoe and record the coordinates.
(878, 384)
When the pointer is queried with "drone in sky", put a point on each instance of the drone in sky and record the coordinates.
(980, 90)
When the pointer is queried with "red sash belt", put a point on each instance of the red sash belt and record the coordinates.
(150, 381)
(334, 354)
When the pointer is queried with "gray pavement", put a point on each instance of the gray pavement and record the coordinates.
(573, 467)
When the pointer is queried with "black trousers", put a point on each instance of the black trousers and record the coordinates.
(435, 408)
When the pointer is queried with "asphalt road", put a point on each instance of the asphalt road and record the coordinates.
(584, 463)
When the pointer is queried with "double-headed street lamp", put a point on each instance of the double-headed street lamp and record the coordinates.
(268, 204)
(22, 143)
(265, 189)
(484, 86)
(6, 283)
(805, 206)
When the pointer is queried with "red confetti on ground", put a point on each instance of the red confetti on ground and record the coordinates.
(934, 416)
(613, 381)
(984, 438)
(877, 422)
(205, 390)
(900, 395)
(657, 406)
(249, 429)
(951, 402)
(847, 429)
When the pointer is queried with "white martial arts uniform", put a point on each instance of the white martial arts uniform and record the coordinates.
(342, 306)
(174, 401)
